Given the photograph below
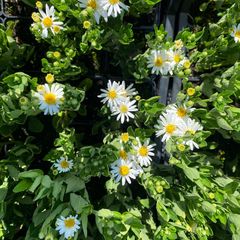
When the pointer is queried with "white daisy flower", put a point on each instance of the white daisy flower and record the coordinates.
(130, 91)
(111, 96)
(167, 126)
(98, 11)
(63, 164)
(189, 126)
(123, 170)
(158, 60)
(175, 57)
(236, 33)
(50, 98)
(180, 111)
(49, 21)
(144, 152)
(113, 7)
(67, 226)
(124, 110)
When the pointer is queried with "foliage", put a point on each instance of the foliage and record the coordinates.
(192, 193)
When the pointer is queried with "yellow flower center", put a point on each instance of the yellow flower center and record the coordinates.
(56, 29)
(191, 91)
(124, 170)
(112, 2)
(92, 4)
(237, 34)
(177, 58)
(123, 154)
(158, 62)
(187, 64)
(64, 164)
(112, 94)
(143, 151)
(50, 98)
(170, 128)
(124, 137)
(123, 108)
(49, 78)
(47, 22)
(181, 112)
(69, 223)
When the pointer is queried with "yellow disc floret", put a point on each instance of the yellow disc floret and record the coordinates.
(191, 91)
(124, 170)
(113, 2)
(181, 112)
(158, 62)
(47, 22)
(92, 4)
(123, 108)
(124, 137)
(86, 24)
(64, 164)
(50, 98)
(69, 223)
(143, 151)
(112, 94)
(170, 128)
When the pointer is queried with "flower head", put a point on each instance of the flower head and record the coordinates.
(113, 7)
(175, 57)
(236, 33)
(158, 60)
(167, 126)
(130, 91)
(63, 164)
(180, 111)
(98, 11)
(49, 21)
(111, 95)
(50, 98)
(144, 152)
(124, 110)
(67, 226)
(123, 170)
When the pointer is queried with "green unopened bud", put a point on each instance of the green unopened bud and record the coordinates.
(159, 189)
(23, 100)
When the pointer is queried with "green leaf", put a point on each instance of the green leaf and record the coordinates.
(74, 184)
(35, 184)
(84, 219)
(31, 173)
(77, 202)
(35, 125)
(22, 186)
(3, 193)
(223, 124)
(46, 181)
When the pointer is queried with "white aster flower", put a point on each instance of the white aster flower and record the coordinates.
(63, 164)
(180, 111)
(50, 98)
(111, 95)
(98, 11)
(187, 129)
(158, 60)
(67, 226)
(175, 57)
(113, 7)
(236, 33)
(144, 152)
(167, 126)
(130, 91)
(124, 110)
(123, 170)
(49, 21)
(189, 126)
